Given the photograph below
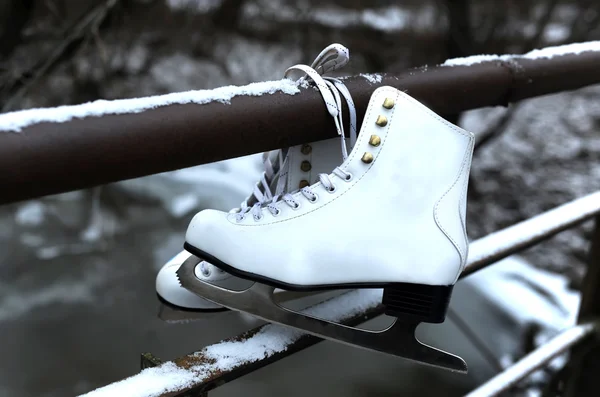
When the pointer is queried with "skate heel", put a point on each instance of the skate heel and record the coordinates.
(417, 302)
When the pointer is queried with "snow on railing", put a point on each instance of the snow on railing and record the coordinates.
(548, 53)
(163, 133)
(227, 360)
(16, 121)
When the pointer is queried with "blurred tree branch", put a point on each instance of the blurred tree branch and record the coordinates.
(496, 129)
(497, 19)
(227, 17)
(14, 15)
(459, 41)
(541, 26)
(84, 27)
(582, 25)
(57, 10)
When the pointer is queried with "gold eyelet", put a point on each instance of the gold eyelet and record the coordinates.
(381, 121)
(303, 183)
(305, 166)
(306, 149)
(388, 103)
(367, 158)
(375, 140)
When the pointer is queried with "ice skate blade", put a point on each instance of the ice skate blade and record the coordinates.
(398, 339)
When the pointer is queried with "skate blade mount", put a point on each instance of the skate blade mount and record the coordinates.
(176, 315)
(398, 339)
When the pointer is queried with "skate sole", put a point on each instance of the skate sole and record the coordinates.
(406, 301)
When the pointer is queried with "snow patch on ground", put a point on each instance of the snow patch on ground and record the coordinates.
(183, 204)
(268, 60)
(16, 301)
(385, 19)
(16, 121)
(180, 72)
(556, 33)
(221, 185)
(197, 6)
(513, 281)
(548, 52)
(388, 19)
(30, 214)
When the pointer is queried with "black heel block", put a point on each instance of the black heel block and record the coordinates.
(417, 302)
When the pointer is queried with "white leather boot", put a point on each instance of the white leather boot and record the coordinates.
(392, 215)
(285, 170)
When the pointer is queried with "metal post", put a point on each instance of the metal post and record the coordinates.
(584, 379)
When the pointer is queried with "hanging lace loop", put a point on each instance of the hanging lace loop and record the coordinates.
(333, 57)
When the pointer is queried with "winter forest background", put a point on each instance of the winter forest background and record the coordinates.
(77, 301)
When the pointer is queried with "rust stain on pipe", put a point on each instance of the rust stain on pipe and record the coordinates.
(50, 158)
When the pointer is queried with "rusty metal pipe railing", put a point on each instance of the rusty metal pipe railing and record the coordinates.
(48, 158)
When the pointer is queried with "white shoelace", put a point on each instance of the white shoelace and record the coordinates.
(262, 191)
(332, 58)
(307, 192)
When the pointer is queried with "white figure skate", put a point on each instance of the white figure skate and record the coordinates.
(285, 170)
(391, 216)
